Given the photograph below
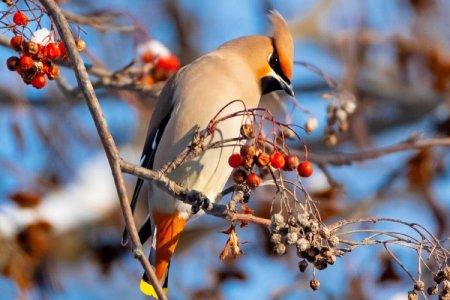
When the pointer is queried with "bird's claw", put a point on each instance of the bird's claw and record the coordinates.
(200, 202)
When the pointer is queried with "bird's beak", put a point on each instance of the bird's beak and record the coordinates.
(287, 87)
(274, 82)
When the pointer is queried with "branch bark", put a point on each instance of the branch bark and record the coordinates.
(107, 140)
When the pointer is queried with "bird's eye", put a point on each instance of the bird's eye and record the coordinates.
(273, 61)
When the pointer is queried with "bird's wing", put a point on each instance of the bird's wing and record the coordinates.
(158, 122)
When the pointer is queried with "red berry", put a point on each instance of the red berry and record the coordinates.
(16, 42)
(235, 160)
(13, 63)
(147, 57)
(52, 51)
(62, 49)
(277, 160)
(20, 18)
(169, 63)
(39, 81)
(305, 169)
(26, 62)
(291, 162)
(253, 180)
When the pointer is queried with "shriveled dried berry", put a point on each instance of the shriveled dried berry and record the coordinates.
(433, 290)
(32, 48)
(81, 45)
(239, 176)
(275, 238)
(446, 272)
(247, 131)
(303, 265)
(13, 63)
(314, 284)
(419, 285)
(279, 249)
(446, 286)
(291, 238)
(438, 277)
(333, 241)
(320, 264)
(303, 244)
(325, 232)
(263, 159)
(248, 151)
(277, 219)
(412, 295)
(311, 124)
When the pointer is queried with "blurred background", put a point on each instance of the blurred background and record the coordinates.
(60, 223)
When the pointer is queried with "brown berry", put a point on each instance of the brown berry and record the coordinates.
(432, 290)
(247, 131)
(81, 45)
(419, 286)
(291, 162)
(412, 295)
(314, 284)
(263, 159)
(13, 63)
(239, 176)
(248, 151)
(32, 48)
(302, 265)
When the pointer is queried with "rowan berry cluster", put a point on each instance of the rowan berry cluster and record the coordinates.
(36, 58)
(255, 157)
(157, 61)
(314, 242)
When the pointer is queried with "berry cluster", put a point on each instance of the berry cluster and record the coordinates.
(315, 243)
(161, 62)
(36, 58)
(35, 62)
(337, 116)
(442, 278)
(251, 156)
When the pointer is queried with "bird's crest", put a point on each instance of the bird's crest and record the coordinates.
(282, 42)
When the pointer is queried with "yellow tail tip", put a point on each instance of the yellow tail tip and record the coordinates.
(148, 289)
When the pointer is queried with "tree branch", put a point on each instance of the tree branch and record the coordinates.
(102, 128)
(349, 158)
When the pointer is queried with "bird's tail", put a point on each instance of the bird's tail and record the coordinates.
(168, 230)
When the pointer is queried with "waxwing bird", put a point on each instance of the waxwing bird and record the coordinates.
(245, 68)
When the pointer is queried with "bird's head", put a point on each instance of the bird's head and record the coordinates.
(270, 57)
(277, 72)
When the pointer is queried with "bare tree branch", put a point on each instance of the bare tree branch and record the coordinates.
(107, 140)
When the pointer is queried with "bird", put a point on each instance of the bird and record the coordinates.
(244, 69)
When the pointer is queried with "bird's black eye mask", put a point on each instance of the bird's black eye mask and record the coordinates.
(274, 63)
